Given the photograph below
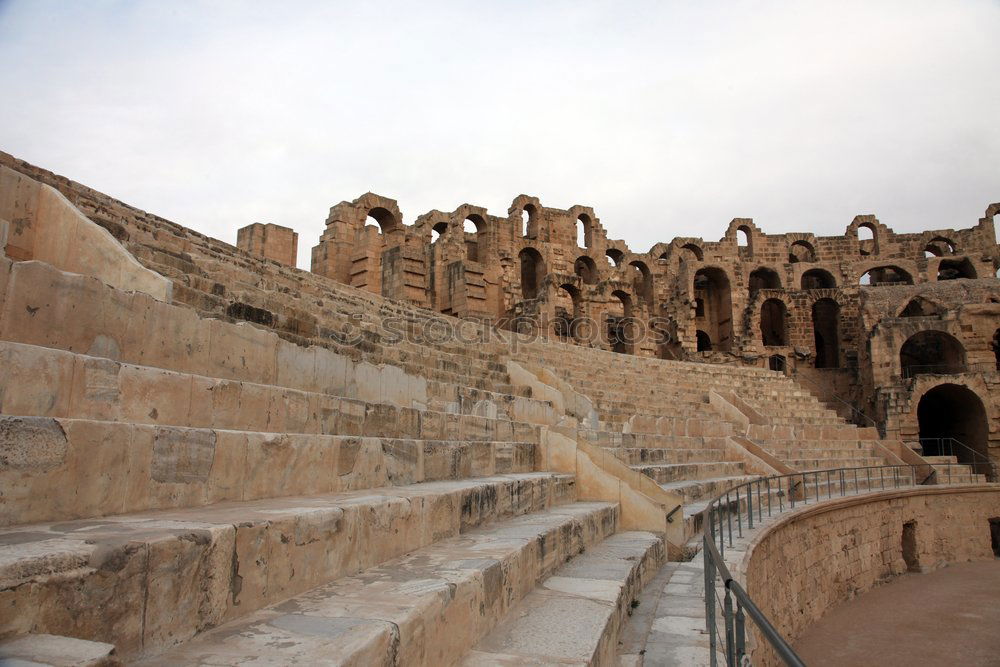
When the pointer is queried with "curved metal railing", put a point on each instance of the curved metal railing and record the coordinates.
(949, 446)
(749, 504)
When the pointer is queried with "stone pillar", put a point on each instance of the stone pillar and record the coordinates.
(269, 241)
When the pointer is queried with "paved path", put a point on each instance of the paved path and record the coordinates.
(947, 617)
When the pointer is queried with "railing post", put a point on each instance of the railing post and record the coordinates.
(729, 519)
(710, 602)
(727, 606)
(741, 638)
(750, 506)
(722, 534)
(760, 509)
(769, 496)
(739, 514)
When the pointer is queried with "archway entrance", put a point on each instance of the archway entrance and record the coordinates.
(772, 323)
(826, 323)
(954, 411)
(711, 285)
(931, 352)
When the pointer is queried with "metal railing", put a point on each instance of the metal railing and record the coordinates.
(981, 464)
(913, 370)
(749, 504)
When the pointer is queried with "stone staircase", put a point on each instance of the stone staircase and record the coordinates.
(658, 418)
(193, 490)
(274, 467)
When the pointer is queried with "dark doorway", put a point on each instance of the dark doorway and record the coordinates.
(995, 535)
(532, 272)
(826, 333)
(704, 341)
(772, 323)
(711, 285)
(910, 555)
(953, 422)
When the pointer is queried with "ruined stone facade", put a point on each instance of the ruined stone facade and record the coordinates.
(208, 456)
(834, 311)
(271, 241)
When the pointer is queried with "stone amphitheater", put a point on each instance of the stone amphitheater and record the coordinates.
(475, 439)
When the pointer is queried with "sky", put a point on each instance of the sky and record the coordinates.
(670, 118)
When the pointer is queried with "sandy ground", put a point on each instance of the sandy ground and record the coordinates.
(947, 617)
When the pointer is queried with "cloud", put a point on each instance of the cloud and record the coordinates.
(669, 118)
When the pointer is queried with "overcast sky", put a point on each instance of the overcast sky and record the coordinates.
(669, 118)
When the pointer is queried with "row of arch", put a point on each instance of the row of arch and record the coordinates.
(773, 326)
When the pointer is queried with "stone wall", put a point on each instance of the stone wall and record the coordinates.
(270, 241)
(812, 560)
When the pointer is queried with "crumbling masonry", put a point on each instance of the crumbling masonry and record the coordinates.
(467, 440)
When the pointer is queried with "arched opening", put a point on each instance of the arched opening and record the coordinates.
(867, 241)
(885, 275)
(690, 251)
(529, 221)
(801, 251)
(744, 242)
(704, 341)
(532, 272)
(818, 279)
(567, 311)
(383, 219)
(763, 278)
(996, 348)
(642, 281)
(620, 328)
(826, 333)
(772, 323)
(472, 229)
(953, 422)
(438, 230)
(711, 285)
(776, 362)
(931, 353)
(614, 256)
(939, 247)
(951, 269)
(920, 307)
(587, 270)
(583, 231)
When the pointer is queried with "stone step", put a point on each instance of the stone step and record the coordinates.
(663, 473)
(149, 580)
(35, 650)
(636, 456)
(652, 440)
(577, 615)
(40, 381)
(62, 469)
(834, 462)
(700, 489)
(428, 607)
(137, 329)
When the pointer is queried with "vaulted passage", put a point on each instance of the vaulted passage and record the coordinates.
(621, 328)
(931, 353)
(532, 272)
(711, 285)
(826, 334)
(952, 411)
(772, 323)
